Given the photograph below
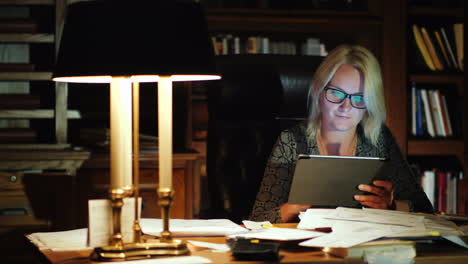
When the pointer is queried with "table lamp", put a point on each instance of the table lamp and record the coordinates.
(125, 43)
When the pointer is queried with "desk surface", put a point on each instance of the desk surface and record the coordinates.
(437, 254)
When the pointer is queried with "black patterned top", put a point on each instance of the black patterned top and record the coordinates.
(276, 182)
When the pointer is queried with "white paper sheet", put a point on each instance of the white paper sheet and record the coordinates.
(215, 247)
(100, 221)
(60, 241)
(255, 225)
(376, 216)
(316, 218)
(191, 227)
(353, 235)
(279, 234)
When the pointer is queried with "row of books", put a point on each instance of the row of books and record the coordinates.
(438, 48)
(430, 113)
(226, 44)
(440, 187)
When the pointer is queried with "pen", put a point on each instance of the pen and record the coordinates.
(323, 229)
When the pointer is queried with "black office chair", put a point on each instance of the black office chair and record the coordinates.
(259, 96)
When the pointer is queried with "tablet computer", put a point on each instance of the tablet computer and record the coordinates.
(332, 180)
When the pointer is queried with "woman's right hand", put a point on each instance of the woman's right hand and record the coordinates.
(289, 211)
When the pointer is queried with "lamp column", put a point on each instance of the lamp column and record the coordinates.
(165, 191)
(120, 151)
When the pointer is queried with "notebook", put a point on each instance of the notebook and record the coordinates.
(332, 180)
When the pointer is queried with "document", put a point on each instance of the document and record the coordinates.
(100, 221)
(316, 218)
(214, 247)
(377, 216)
(354, 226)
(347, 235)
(191, 227)
(278, 234)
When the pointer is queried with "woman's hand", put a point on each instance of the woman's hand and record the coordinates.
(383, 198)
(289, 211)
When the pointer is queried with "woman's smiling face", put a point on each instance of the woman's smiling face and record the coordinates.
(342, 116)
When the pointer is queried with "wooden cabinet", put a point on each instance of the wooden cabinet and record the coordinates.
(43, 183)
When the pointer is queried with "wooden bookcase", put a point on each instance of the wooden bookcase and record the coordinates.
(452, 147)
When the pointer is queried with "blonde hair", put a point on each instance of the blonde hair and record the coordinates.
(364, 61)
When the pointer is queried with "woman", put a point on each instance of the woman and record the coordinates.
(346, 119)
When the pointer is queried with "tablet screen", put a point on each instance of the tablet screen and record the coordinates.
(332, 180)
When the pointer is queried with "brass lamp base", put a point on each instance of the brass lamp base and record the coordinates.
(142, 247)
(150, 249)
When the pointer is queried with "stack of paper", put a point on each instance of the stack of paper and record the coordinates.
(355, 226)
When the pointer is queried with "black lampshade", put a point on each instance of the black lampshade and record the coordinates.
(137, 37)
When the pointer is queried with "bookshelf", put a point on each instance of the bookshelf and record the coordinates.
(49, 121)
(448, 149)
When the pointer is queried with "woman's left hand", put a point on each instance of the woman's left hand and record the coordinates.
(383, 198)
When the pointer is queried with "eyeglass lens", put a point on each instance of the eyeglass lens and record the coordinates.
(337, 96)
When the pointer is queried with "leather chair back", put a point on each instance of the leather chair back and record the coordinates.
(258, 96)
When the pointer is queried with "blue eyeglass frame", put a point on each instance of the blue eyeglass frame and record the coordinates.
(346, 97)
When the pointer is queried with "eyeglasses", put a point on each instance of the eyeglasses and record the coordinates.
(337, 97)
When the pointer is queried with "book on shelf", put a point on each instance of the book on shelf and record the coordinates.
(423, 51)
(251, 45)
(431, 48)
(420, 120)
(443, 49)
(428, 184)
(449, 43)
(451, 193)
(447, 121)
(458, 31)
(436, 109)
(414, 110)
(441, 191)
(443, 116)
(392, 246)
(428, 113)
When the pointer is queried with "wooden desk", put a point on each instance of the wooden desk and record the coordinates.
(442, 255)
